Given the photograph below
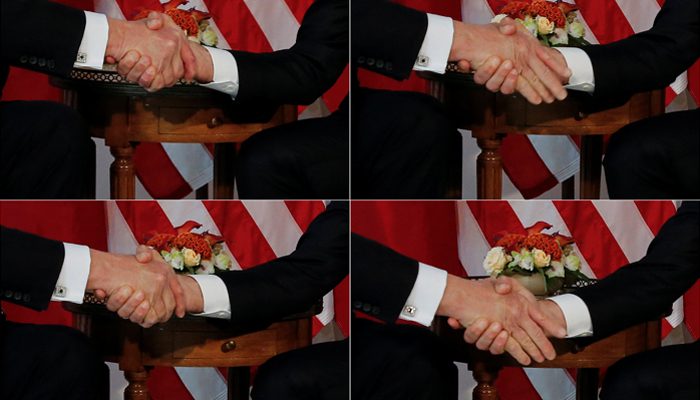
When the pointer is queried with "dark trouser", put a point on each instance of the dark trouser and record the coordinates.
(46, 362)
(400, 145)
(403, 362)
(46, 151)
(307, 159)
(317, 372)
(666, 373)
(656, 158)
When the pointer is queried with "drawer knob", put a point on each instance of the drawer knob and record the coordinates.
(581, 116)
(228, 346)
(216, 121)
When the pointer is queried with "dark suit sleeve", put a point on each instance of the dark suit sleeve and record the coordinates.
(381, 279)
(302, 73)
(41, 35)
(294, 283)
(647, 288)
(30, 267)
(386, 37)
(652, 59)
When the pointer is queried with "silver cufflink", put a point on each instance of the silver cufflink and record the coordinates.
(82, 58)
(410, 311)
(423, 61)
(59, 291)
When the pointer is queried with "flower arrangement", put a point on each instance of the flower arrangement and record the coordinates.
(194, 22)
(189, 252)
(554, 23)
(551, 256)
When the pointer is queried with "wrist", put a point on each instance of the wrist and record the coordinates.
(194, 299)
(115, 38)
(452, 297)
(553, 311)
(204, 64)
(99, 271)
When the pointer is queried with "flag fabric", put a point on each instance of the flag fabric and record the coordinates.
(254, 232)
(456, 236)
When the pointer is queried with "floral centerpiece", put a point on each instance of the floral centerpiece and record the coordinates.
(553, 23)
(195, 23)
(189, 252)
(549, 258)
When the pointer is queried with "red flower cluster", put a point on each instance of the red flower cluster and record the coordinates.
(554, 12)
(183, 18)
(195, 242)
(511, 242)
(161, 241)
(545, 243)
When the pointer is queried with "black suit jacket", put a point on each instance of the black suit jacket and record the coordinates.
(40, 35)
(293, 283)
(381, 279)
(302, 73)
(652, 59)
(646, 289)
(30, 266)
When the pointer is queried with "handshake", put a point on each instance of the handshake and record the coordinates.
(143, 287)
(501, 315)
(156, 53)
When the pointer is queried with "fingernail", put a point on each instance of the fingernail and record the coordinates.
(568, 72)
(139, 296)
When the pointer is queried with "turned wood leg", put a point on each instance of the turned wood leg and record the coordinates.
(137, 389)
(591, 158)
(587, 383)
(122, 173)
(238, 383)
(485, 377)
(488, 169)
(224, 166)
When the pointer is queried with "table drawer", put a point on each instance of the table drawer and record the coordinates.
(208, 345)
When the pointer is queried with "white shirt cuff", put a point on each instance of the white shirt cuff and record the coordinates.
(225, 72)
(73, 278)
(435, 50)
(423, 302)
(576, 314)
(579, 63)
(215, 294)
(91, 53)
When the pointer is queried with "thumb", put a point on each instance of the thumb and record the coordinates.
(503, 285)
(507, 26)
(143, 254)
(155, 20)
(99, 294)
(453, 323)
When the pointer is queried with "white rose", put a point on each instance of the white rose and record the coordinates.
(208, 37)
(560, 37)
(541, 258)
(497, 19)
(530, 25)
(191, 257)
(575, 29)
(222, 261)
(572, 262)
(207, 268)
(495, 261)
(526, 260)
(176, 260)
(557, 270)
(544, 25)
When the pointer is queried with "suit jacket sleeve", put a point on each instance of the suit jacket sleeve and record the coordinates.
(292, 284)
(304, 72)
(36, 30)
(646, 289)
(381, 279)
(30, 266)
(388, 32)
(652, 59)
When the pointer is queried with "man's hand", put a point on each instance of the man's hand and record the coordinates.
(476, 43)
(468, 301)
(116, 276)
(138, 68)
(166, 47)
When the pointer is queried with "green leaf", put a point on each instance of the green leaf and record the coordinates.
(544, 277)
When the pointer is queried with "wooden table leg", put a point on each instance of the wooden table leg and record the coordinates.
(587, 383)
(122, 173)
(137, 389)
(591, 157)
(489, 169)
(224, 166)
(238, 383)
(485, 377)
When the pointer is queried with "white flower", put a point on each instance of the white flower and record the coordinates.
(575, 29)
(529, 24)
(222, 261)
(544, 25)
(495, 261)
(207, 268)
(193, 38)
(572, 262)
(208, 37)
(176, 260)
(526, 260)
(560, 37)
(557, 270)
(497, 19)
(191, 257)
(541, 258)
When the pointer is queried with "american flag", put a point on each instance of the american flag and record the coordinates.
(456, 236)
(255, 232)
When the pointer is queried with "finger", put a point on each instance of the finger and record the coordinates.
(188, 61)
(545, 323)
(489, 335)
(117, 299)
(504, 285)
(507, 26)
(155, 20)
(127, 309)
(169, 303)
(510, 82)
(475, 330)
(157, 84)
(146, 79)
(537, 84)
(552, 63)
(549, 80)
(527, 344)
(528, 92)
(144, 254)
(463, 66)
(495, 82)
(486, 70)
(139, 69)
(499, 344)
(150, 318)
(99, 294)
(513, 348)
(127, 63)
(179, 296)
(110, 60)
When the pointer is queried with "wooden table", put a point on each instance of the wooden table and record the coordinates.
(570, 354)
(125, 114)
(189, 342)
(490, 116)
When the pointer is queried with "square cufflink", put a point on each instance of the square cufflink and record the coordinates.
(82, 58)
(422, 61)
(59, 291)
